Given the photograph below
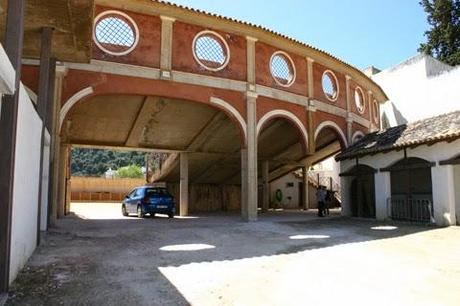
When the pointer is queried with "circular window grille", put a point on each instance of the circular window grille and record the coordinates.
(376, 111)
(282, 69)
(211, 51)
(330, 87)
(359, 100)
(115, 33)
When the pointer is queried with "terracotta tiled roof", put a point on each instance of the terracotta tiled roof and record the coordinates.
(441, 128)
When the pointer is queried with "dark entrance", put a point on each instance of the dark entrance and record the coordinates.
(363, 192)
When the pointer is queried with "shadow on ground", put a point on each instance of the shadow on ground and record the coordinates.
(118, 262)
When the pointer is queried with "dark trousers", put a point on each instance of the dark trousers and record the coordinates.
(321, 208)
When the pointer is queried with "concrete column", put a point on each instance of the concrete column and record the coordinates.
(349, 113)
(266, 185)
(251, 62)
(382, 194)
(62, 177)
(166, 46)
(249, 164)
(183, 210)
(310, 81)
(443, 195)
(306, 196)
(53, 191)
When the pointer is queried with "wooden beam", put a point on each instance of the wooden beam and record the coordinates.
(14, 36)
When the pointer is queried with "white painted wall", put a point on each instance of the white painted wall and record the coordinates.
(457, 192)
(442, 178)
(292, 192)
(420, 87)
(25, 209)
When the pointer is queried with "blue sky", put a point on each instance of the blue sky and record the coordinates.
(361, 32)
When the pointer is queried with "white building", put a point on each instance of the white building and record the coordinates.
(409, 172)
(418, 88)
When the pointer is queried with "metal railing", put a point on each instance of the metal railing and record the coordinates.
(419, 210)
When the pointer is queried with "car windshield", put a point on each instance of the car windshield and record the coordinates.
(152, 192)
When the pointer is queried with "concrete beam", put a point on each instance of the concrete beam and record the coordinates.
(142, 118)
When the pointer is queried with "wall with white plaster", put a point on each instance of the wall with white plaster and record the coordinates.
(457, 192)
(444, 186)
(26, 179)
(293, 192)
(420, 87)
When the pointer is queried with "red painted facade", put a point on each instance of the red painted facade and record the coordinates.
(148, 54)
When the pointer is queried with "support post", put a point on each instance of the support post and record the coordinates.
(266, 185)
(306, 196)
(53, 191)
(167, 24)
(63, 178)
(14, 36)
(43, 101)
(249, 163)
(183, 184)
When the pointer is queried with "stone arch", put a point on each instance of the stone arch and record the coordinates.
(77, 97)
(278, 113)
(334, 126)
(213, 102)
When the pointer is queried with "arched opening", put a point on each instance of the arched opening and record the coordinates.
(362, 191)
(281, 145)
(203, 136)
(411, 190)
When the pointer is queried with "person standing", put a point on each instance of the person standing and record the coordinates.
(320, 197)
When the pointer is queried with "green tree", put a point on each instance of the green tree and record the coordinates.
(443, 38)
(132, 171)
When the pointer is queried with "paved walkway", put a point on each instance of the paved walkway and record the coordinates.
(287, 258)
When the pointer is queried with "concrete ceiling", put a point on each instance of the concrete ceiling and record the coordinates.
(211, 138)
(71, 19)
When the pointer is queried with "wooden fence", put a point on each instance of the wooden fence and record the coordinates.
(93, 189)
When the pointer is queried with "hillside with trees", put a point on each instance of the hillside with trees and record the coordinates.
(95, 162)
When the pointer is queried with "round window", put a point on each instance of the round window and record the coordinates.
(359, 100)
(376, 111)
(115, 33)
(330, 86)
(282, 69)
(211, 51)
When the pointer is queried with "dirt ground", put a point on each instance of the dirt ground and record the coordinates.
(98, 257)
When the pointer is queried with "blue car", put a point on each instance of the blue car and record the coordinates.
(148, 200)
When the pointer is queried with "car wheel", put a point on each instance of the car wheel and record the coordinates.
(140, 213)
(171, 215)
(124, 212)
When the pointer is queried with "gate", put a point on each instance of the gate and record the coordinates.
(419, 210)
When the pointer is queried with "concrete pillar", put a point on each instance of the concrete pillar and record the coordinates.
(183, 210)
(306, 196)
(249, 164)
(349, 112)
(442, 178)
(63, 178)
(382, 194)
(266, 185)
(53, 191)
(166, 46)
